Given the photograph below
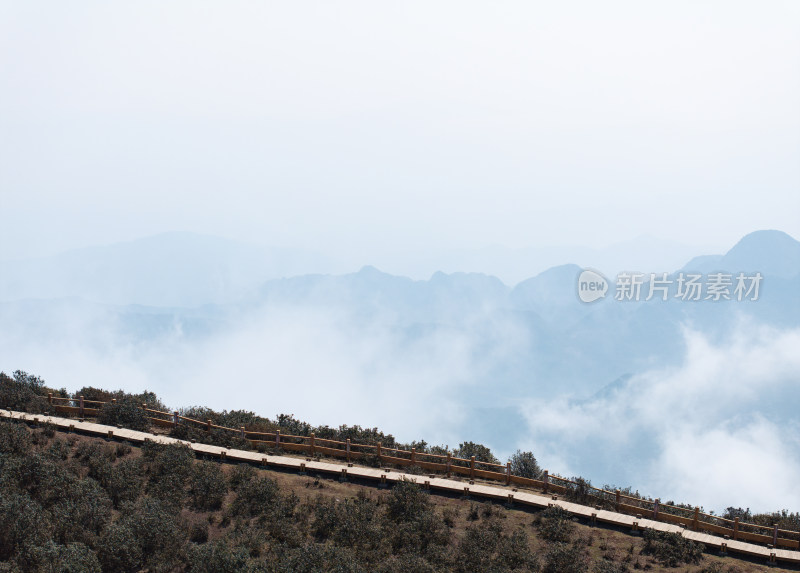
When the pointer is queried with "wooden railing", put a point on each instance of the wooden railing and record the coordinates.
(691, 518)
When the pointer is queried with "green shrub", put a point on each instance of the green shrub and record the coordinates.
(579, 491)
(555, 524)
(120, 549)
(170, 467)
(241, 474)
(23, 393)
(147, 534)
(59, 449)
(407, 501)
(477, 547)
(22, 522)
(81, 511)
(14, 438)
(604, 566)
(70, 558)
(515, 553)
(481, 452)
(207, 486)
(255, 497)
(126, 481)
(217, 557)
(126, 412)
(348, 523)
(671, 549)
(564, 558)
(524, 464)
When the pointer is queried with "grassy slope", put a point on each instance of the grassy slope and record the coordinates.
(602, 546)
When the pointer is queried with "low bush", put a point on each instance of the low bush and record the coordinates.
(555, 524)
(127, 412)
(207, 486)
(255, 497)
(671, 549)
(565, 558)
(14, 438)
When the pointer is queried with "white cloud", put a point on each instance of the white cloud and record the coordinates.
(718, 430)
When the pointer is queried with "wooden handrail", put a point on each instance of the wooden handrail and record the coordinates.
(464, 466)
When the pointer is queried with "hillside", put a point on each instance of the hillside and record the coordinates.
(88, 504)
(76, 503)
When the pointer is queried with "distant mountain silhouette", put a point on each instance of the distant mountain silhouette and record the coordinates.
(773, 253)
(533, 341)
(171, 269)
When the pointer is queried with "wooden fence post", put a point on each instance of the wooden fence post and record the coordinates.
(208, 425)
(113, 400)
(696, 518)
(617, 501)
(379, 453)
(347, 447)
(241, 432)
(655, 509)
(312, 443)
(472, 467)
(546, 480)
(449, 461)
(775, 535)
(80, 402)
(413, 456)
(175, 419)
(736, 527)
(50, 398)
(508, 473)
(277, 438)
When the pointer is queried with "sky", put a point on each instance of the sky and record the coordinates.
(419, 130)
(356, 128)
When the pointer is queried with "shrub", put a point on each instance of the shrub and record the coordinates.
(98, 457)
(481, 452)
(14, 438)
(22, 522)
(127, 412)
(126, 481)
(170, 467)
(349, 523)
(563, 558)
(515, 553)
(148, 533)
(59, 449)
(81, 511)
(414, 526)
(579, 491)
(524, 464)
(70, 558)
(217, 558)
(555, 524)
(23, 393)
(255, 497)
(604, 566)
(120, 549)
(671, 549)
(407, 502)
(476, 549)
(241, 474)
(207, 486)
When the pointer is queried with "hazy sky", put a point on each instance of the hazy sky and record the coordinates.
(368, 126)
